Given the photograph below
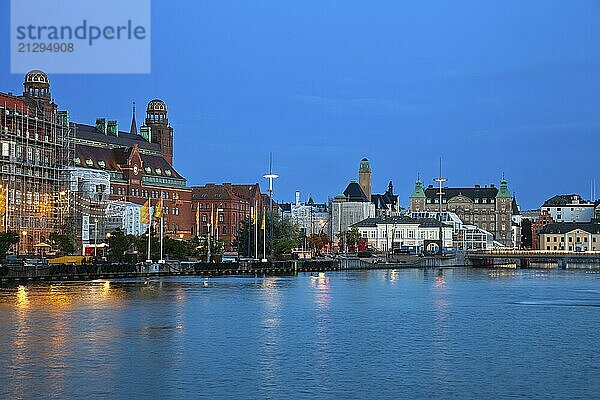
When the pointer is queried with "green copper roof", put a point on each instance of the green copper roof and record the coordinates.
(364, 165)
(503, 192)
(418, 193)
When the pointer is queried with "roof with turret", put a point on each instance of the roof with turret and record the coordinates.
(562, 200)
(472, 193)
(91, 133)
(354, 192)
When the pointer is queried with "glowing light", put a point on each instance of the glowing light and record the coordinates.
(22, 297)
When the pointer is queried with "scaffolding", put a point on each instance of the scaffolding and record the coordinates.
(36, 146)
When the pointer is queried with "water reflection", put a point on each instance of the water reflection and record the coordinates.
(432, 333)
(270, 353)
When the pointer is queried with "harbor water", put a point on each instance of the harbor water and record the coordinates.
(453, 333)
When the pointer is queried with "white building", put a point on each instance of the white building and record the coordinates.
(404, 233)
(569, 208)
(309, 216)
(348, 209)
(465, 237)
(125, 216)
(94, 214)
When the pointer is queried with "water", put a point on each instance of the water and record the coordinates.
(453, 333)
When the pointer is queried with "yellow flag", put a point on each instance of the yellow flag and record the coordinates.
(3, 201)
(262, 226)
(158, 208)
(145, 213)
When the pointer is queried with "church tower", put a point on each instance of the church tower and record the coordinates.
(364, 177)
(160, 130)
(417, 199)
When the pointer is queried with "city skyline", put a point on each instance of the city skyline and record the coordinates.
(498, 104)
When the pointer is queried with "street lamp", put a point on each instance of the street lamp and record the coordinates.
(270, 176)
(24, 234)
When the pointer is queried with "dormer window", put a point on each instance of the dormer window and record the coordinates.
(148, 170)
(89, 162)
(77, 160)
(158, 171)
(168, 172)
(101, 164)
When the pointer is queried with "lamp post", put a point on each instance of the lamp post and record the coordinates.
(440, 180)
(24, 234)
(95, 237)
(270, 176)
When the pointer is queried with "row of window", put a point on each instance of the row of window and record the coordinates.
(562, 239)
(35, 136)
(102, 164)
(136, 192)
(241, 206)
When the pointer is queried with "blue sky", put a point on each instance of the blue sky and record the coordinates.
(493, 87)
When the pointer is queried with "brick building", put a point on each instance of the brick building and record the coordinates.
(536, 226)
(221, 209)
(140, 165)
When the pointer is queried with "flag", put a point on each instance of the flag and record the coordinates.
(145, 213)
(158, 208)
(3, 201)
(262, 226)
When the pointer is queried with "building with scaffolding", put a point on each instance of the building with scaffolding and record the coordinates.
(137, 167)
(36, 145)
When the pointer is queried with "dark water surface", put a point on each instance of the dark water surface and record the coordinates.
(453, 333)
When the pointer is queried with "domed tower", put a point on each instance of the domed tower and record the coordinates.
(37, 85)
(37, 94)
(364, 177)
(161, 131)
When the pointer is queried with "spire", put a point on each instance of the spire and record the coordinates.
(133, 129)
(418, 192)
(503, 192)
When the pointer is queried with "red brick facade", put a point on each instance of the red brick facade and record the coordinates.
(544, 219)
(221, 209)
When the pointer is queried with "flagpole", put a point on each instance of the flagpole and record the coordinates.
(149, 259)
(161, 235)
(264, 226)
(255, 231)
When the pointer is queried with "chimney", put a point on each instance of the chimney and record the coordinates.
(477, 186)
(112, 128)
(101, 125)
(145, 132)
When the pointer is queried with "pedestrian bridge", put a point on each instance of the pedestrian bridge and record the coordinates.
(534, 258)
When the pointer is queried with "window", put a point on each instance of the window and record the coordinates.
(5, 149)
(204, 218)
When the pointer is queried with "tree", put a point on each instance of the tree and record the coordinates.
(286, 236)
(7, 239)
(64, 239)
(64, 243)
(141, 245)
(317, 241)
(353, 237)
(526, 233)
(199, 247)
(119, 243)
